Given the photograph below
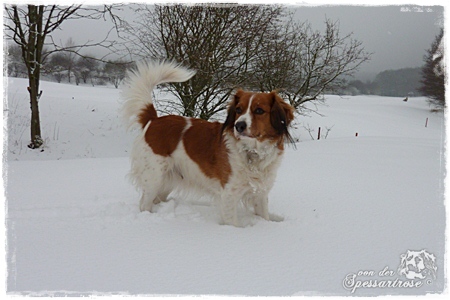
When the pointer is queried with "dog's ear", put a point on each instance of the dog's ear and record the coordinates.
(281, 115)
(231, 115)
(288, 109)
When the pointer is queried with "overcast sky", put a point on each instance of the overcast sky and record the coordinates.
(398, 36)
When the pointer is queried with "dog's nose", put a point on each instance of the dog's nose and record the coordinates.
(240, 126)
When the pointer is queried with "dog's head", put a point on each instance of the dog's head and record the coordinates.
(260, 116)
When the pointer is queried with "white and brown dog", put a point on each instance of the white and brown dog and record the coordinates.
(233, 162)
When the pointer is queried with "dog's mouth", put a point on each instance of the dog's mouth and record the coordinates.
(243, 134)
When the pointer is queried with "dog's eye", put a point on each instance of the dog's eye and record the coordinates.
(238, 110)
(259, 111)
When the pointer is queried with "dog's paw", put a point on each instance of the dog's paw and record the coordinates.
(276, 218)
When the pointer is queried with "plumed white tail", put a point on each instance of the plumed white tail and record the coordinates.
(140, 82)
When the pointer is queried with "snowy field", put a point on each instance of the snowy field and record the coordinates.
(351, 206)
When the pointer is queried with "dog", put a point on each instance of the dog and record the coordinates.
(234, 162)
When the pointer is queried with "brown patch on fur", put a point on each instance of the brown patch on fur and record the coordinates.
(204, 145)
(147, 114)
(164, 134)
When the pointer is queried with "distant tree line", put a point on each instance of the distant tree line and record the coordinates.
(64, 66)
(428, 80)
(87, 69)
(393, 83)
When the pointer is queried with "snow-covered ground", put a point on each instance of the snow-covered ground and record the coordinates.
(351, 206)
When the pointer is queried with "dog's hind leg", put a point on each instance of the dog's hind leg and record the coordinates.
(151, 182)
(151, 196)
(161, 197)
(153, 193)
(159, 184)
(171, 179)
(156, 189)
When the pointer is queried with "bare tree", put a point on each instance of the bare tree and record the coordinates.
(116, 71)
(71, 56)
(257, 47)
(303, 63)
(57, 66)
(29, 27)
(85, 66)
(15, 65)
(217, 41)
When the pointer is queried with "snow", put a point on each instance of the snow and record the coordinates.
(349, 204)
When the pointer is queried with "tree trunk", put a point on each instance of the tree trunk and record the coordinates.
(33, 55)
(36, 139)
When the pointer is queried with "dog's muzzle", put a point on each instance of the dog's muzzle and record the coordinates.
(240, 126)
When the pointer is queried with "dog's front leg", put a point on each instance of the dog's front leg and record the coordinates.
(146, 202)
(261, 205)
(228, 208)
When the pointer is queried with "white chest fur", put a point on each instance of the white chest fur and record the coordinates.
(254, 163)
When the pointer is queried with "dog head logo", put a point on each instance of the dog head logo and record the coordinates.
(417, 265)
